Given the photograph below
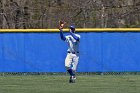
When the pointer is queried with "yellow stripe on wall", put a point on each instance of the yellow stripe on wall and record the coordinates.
(77, 29)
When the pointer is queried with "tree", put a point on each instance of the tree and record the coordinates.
(83, 13)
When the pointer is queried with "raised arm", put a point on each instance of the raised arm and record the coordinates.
(61, 26)
(62, 35)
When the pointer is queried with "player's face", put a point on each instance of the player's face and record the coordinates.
(72, 29)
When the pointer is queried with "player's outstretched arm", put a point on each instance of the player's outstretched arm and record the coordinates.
(62, 35)
(74, 36)
(61, 26)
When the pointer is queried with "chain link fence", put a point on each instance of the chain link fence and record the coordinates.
(66, 74)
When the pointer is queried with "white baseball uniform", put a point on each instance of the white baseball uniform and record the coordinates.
(72, 57)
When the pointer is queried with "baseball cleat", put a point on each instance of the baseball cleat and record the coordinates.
(72, 79)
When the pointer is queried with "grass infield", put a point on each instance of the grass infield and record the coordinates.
(59, 84)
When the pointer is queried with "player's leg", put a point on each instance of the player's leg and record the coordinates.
(68, 62)
(75, 63)
(74, 66)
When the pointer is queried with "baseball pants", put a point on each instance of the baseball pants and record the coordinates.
(71, 61)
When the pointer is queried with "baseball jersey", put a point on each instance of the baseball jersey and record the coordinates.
(73, 45)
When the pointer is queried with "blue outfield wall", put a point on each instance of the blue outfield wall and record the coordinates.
(46, 52)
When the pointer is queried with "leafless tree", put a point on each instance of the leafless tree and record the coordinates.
(83, 13)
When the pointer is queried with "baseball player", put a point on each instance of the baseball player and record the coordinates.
(72, 57)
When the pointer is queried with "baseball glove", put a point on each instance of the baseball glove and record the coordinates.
(61, 24)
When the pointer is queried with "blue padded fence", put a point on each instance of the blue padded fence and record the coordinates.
(46, 52)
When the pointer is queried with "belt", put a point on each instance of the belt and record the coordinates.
(73, 52)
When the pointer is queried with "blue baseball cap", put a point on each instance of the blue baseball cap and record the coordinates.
(72, 26)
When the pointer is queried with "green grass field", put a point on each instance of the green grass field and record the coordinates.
(59, 84)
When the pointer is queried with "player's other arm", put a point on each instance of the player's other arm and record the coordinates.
(62, 35)
(74, 36)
